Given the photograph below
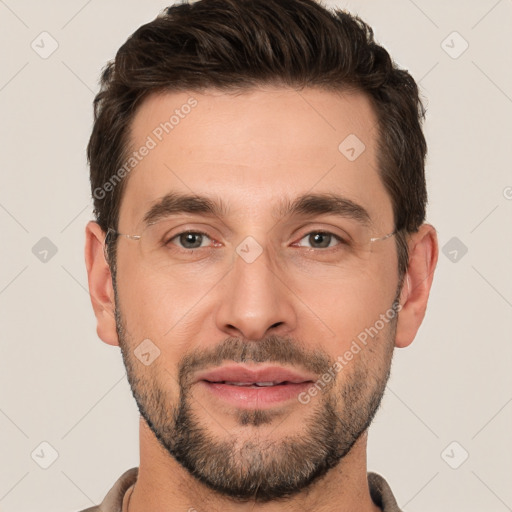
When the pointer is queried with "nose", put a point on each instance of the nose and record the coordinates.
(255, 300)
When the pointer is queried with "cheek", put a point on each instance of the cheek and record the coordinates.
(144, 294)
(160, 308)
(343, 308)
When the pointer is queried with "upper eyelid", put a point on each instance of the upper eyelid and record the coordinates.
(192, 219)
(195, 232)
(301, 222)
(340, 239)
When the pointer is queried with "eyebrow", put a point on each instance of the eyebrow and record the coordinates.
(174, 203)
(304, 205)
(324, 204)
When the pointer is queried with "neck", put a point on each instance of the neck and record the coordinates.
(163, 484)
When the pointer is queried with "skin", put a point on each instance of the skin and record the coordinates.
(252, 149)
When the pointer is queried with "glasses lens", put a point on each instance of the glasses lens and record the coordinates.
(345, 243)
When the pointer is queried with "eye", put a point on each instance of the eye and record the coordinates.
(321, 240)
(190, 240)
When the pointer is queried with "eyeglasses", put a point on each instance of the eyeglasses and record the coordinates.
(166, 243)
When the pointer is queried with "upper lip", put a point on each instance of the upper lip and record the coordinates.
(240, 373)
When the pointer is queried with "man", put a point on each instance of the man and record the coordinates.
(257, 169)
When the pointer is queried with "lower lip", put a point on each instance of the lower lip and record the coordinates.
(251, 397)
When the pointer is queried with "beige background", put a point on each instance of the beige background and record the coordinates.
(61, 385)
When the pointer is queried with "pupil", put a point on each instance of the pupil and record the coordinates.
(321, 239)
(193, 238)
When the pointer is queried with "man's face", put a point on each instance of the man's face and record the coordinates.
(288, 302)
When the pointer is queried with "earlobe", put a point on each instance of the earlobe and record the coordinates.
(100, 283)
(423, 253)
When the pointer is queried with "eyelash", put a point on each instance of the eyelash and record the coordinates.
(326, 249)
(187, 232)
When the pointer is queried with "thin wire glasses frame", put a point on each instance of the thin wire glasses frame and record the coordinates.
(113, 232)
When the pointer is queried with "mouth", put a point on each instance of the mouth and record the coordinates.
(252, 384)
(254, 387)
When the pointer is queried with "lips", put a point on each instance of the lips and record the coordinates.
(255, 387)
(240, 375)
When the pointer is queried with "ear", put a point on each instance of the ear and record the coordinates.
(100, 283)
(423, 253)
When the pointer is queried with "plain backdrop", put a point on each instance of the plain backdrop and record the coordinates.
(442, 437)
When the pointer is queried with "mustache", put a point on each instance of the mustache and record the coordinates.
(272, 349)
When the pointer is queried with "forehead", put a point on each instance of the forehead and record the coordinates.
(253, 149)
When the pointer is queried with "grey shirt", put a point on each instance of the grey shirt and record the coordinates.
(379, 491)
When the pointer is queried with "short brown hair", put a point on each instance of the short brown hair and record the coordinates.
(233, 45)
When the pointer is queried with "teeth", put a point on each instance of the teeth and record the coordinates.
(263, 384)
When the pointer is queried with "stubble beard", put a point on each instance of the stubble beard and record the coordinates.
(261, 467)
